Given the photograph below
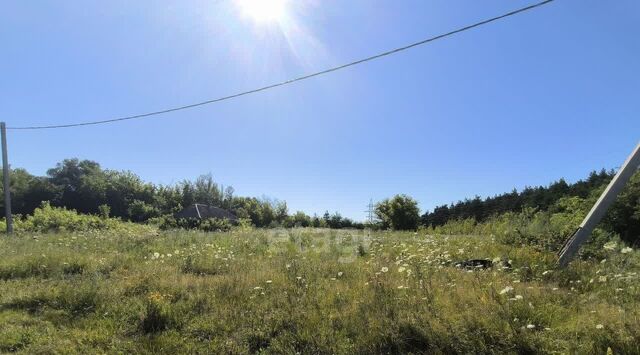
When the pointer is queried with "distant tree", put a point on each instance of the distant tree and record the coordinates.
(300, 219)
(398, 213)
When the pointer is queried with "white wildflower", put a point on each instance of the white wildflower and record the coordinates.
(599, 326)
(626, 250)
(384, 269)
(531, 326)
(401, 269)
(506, 290)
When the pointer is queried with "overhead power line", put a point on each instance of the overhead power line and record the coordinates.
(291, 81)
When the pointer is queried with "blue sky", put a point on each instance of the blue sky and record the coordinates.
(551, 93)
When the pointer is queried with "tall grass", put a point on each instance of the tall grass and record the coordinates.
(308, 291)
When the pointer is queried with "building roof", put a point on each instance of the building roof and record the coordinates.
(201, 211)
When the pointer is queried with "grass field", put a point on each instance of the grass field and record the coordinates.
(308, 291)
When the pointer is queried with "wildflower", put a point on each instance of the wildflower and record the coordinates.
(599, 326)
(602, 279)
(518, 297)
(506, 290)
(384, 269)
(269, 281)
(626, 250)
(155, 255)
(401, 269)
(546, 272)
(610, 246)
(531, 326)
(340, 273)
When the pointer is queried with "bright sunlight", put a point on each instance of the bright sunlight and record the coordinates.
(264, 11)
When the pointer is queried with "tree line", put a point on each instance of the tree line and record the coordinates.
(84, 186)
(556, 199)
(540, 197)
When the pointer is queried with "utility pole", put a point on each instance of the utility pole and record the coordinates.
(5, 179)
(598, 210)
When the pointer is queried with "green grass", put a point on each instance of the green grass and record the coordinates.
(307, 291)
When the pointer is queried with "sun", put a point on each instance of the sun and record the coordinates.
(264, 11)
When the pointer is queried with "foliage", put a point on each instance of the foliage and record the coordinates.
(542, 230)
(309, 291)
(543, 215)
(59, 219)
(83, 186)
(398, 213)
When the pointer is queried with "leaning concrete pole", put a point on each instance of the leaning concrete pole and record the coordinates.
(6, 180)
(598, 210)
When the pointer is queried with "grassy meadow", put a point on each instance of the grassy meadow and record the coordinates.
(308, 291)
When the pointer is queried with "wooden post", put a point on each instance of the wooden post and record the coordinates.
(6, 182)
(598, 210)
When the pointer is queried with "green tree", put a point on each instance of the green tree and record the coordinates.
(398, 213)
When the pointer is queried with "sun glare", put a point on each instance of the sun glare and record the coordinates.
(264, 11)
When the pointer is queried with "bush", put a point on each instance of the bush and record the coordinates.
(59, 219)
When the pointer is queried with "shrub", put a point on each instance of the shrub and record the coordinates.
(59, 219)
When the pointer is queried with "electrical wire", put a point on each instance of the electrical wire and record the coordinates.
(291, 81)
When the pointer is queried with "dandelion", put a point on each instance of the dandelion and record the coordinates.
(626, 250)
(599, 326)
(506, 290)
(384, 269)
